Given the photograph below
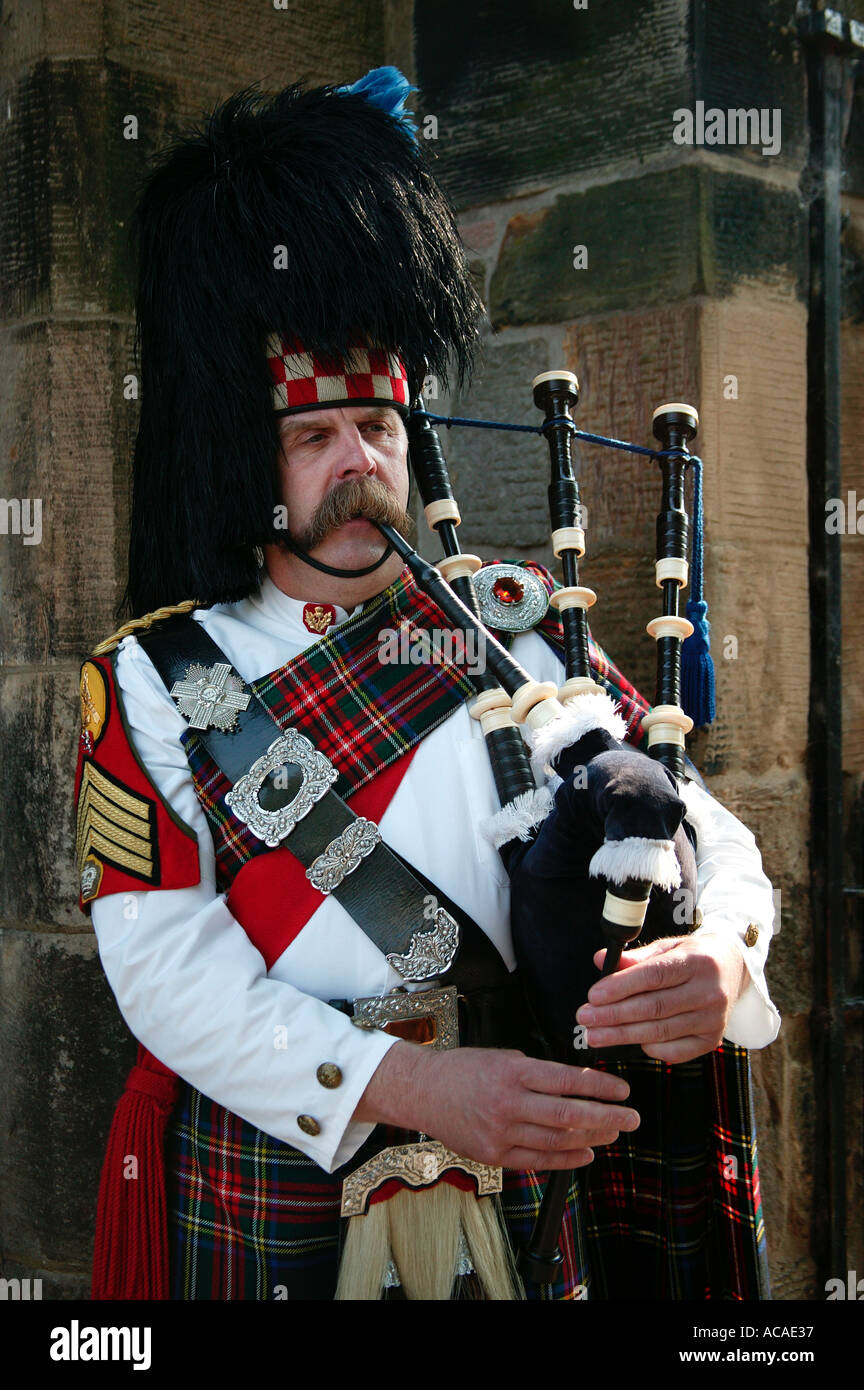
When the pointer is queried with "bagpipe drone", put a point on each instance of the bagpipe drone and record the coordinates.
(598, 854)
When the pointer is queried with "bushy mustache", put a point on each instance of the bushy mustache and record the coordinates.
(356, 497)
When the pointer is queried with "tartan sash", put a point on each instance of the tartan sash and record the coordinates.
(363, 714)
(671, 1211)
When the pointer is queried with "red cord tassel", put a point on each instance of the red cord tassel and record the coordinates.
(130, 1255)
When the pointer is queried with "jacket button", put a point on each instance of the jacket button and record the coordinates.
(308, 1124)
(751, 935)
(329, 1075)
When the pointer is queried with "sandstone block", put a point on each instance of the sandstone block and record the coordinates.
(61, 1024)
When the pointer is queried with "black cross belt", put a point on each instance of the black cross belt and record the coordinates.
(342, 853)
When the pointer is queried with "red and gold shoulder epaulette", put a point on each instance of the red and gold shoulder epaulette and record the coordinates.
(128, 839)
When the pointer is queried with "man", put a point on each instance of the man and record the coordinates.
(228, 966)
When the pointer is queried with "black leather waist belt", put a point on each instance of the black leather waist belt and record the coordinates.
(485, 1016)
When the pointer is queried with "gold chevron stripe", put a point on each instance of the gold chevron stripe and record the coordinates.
(115, 823)
(116, 854)
(121, 796)
(99, 803)
(138, 844)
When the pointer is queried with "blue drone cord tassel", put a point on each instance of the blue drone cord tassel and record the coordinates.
(697, 666)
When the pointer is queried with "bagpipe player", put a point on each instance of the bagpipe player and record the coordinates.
(339, 1090)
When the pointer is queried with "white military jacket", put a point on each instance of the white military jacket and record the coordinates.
(196, 992)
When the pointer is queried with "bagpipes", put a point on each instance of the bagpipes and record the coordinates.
(604, 858)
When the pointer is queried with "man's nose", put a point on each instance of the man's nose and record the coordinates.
(356, 458)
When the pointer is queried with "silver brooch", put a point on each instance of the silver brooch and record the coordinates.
(511, 599)
(210, 696)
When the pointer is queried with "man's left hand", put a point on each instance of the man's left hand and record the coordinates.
(672, 997)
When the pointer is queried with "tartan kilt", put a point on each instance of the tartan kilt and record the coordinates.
(674, 1210)
(250, 1217)
(670, 1212)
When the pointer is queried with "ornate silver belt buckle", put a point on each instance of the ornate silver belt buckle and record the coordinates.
(318, 776)
(429, 1016)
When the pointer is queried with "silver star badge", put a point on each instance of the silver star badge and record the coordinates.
(209, 697)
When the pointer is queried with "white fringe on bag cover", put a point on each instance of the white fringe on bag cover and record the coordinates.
(581, 714)
(518, 818)
(655, 861)
(422, 1232)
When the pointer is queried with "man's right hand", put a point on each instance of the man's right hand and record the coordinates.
(498, 1106)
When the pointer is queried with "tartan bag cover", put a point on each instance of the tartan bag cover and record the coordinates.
(672, 1211)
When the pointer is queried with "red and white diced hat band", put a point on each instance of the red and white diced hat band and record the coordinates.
(301, 380)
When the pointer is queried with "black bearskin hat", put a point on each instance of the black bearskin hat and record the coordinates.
(310, 214)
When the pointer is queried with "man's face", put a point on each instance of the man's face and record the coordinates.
(321, 450)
